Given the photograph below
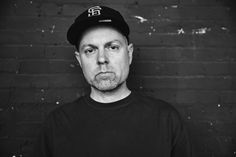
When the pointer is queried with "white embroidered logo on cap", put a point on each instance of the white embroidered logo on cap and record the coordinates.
(94, 11)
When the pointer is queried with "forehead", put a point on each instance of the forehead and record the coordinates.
(100, 35)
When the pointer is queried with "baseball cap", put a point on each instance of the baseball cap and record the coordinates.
(95, 16)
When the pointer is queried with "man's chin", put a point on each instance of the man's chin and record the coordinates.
(105, 86)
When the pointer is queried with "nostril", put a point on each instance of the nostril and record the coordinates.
(102, 61)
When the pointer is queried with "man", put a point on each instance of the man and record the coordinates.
(111, 121)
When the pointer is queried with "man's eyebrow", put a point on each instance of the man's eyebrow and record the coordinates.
(88, 45)
(110, 42)
(106, 44)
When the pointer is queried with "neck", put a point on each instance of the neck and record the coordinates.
(110, 96)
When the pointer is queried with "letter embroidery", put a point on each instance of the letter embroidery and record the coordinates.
(94, 11)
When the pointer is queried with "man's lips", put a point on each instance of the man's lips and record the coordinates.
(104, 75)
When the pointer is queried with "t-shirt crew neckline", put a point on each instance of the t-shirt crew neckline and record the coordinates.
(113, 105)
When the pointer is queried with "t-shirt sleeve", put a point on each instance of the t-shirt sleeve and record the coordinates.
(43, 144)
(181, 145)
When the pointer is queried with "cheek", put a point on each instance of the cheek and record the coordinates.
(123, 65)
(125, 60)
(87, 69)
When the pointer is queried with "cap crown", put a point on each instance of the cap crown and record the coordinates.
(94, 16)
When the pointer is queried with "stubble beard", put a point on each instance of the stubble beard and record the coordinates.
(105, 83)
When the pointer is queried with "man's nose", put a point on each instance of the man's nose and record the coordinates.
(102, 57)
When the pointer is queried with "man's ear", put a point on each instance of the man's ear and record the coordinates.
(130, 52)
(77, 55)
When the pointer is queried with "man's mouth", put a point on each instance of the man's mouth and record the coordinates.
(105, 75)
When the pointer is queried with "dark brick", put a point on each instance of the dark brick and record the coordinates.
(212, 114)
(185, 96)
(55, 38)
(123, 2)
(62, 95)
(164, 94)
(26, 95)
(48, 67)
(19, 129)
(34, 67)
(10, 147)
(64, 67)
(184, 68)
(73, 10)
(46, 95)
(163, 54)
(155, 26)
(211, 25)
(28, 112)
(219, 145)
(33, 38)
(49, 9)
(200, 129)
(215, 54)
(19, 37)
(21, 23)
(31, 52)
(204, 129)
(49, 81)
(202, 2)
(220, 68)
(59, 52)
(31, 81)
(5, 7)
(172, 26)
(22, 52)
(228, 96)
(215, 40)
(25, 7)
(202, 12)
(168, 68)
(57, 24)
(191, 96)
(160, 2)
(26, 130)
(67, 80)
(9, 66)
(194, 82)
(176, 12)
(225, 129)
(165, 40)
(30, 23)
(6, 80)
(5, 96)
(8, 52)
(152, 12)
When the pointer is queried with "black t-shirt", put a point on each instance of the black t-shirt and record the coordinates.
(136, 126)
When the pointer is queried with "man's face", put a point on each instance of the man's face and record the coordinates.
(104, 56)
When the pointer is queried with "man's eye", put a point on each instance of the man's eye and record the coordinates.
(89, 51)
(114, 47)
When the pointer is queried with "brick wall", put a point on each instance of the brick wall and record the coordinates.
(184, 54)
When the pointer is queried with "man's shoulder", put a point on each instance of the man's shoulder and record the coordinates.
(161, 108)
(152, 101)
(68, 108)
